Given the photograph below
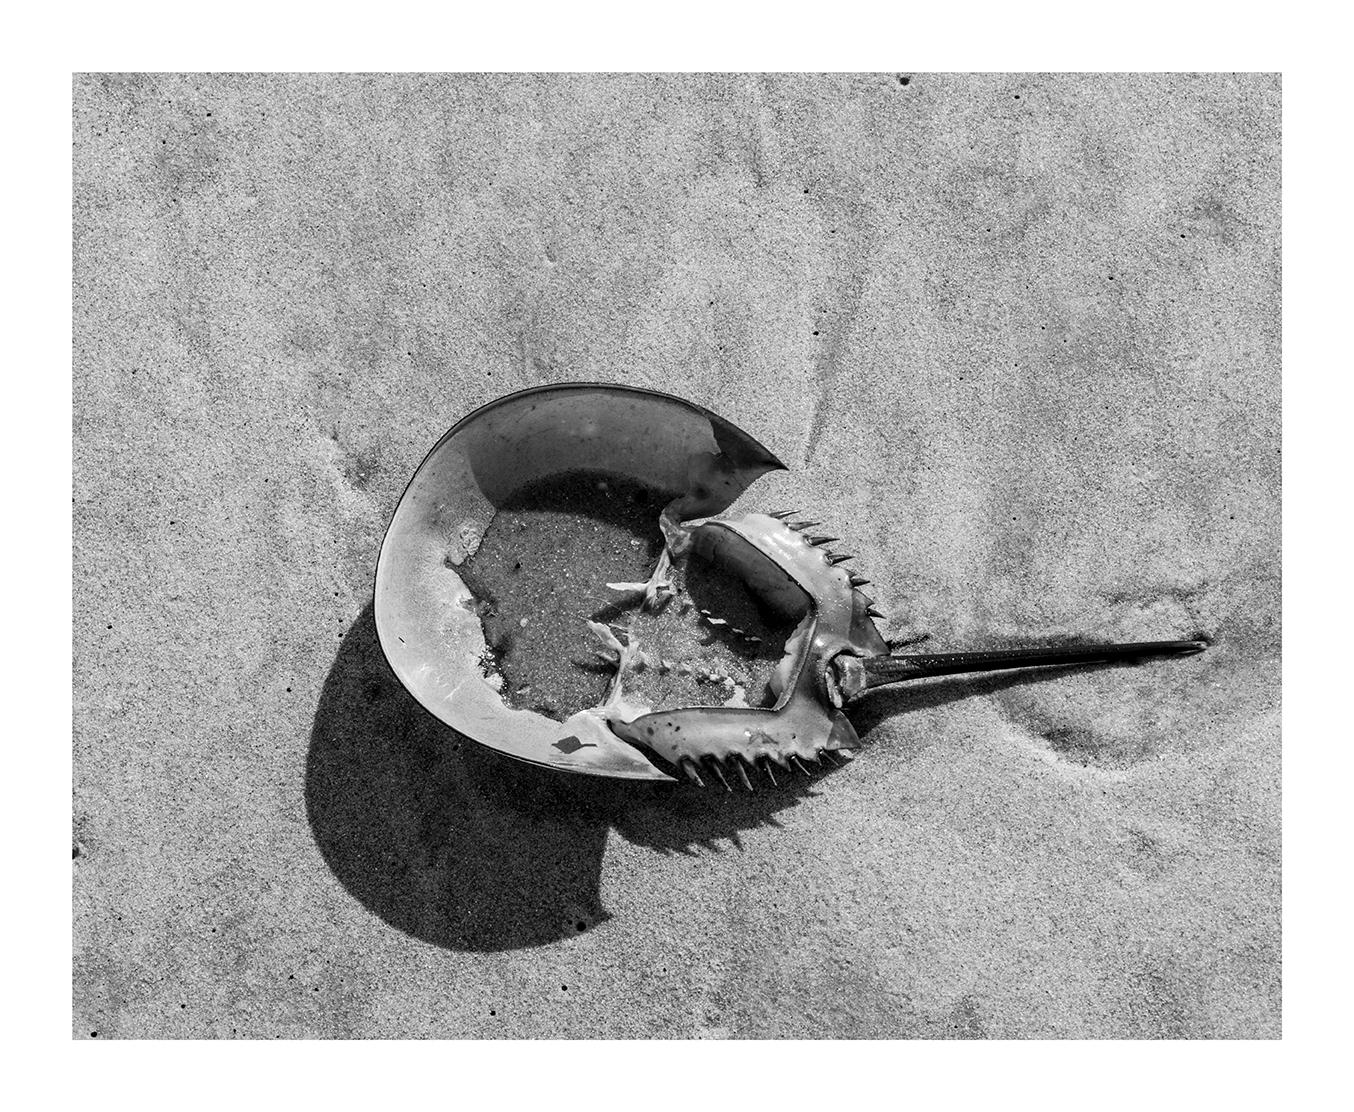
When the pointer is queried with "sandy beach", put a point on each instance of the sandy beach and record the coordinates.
(1017, 339)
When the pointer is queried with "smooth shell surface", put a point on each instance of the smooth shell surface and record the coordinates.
(425, 616)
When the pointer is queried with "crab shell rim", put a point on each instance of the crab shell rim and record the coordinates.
(432, 644)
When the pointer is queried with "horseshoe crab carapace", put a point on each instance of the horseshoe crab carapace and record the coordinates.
(426, 618)
(430, 621)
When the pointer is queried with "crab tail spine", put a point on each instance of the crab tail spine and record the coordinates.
(896, 669)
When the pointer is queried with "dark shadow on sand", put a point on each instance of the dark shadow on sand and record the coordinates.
(461, 847)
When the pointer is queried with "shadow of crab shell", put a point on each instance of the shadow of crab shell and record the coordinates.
(418, 825)
(463, 848)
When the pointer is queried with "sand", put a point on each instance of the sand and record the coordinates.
(1017, 339)
(541, 573)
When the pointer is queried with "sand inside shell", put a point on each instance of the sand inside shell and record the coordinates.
(541, 572)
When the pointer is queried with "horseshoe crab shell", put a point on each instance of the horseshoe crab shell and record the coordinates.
(425, 617)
